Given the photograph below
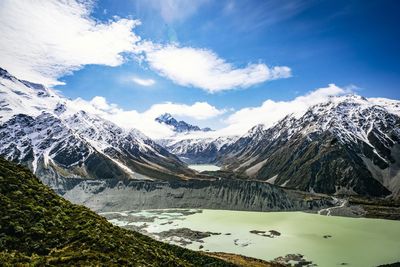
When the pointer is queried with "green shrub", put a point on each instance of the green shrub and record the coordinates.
(39, 228)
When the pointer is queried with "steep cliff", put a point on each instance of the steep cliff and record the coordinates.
(114, 195)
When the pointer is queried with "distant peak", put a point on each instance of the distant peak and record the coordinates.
(164, 117)
(167, 119)
(179, 126)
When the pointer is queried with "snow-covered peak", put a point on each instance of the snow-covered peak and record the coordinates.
(345, 144)
(349, 117)
(392, 106)
(359, 102)
(52, 134)
(256, 133)
(165, 117)
(22, 97)
(103, 134)
(179, 126)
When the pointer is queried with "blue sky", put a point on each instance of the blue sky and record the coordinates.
(353, 44)
(341, 42)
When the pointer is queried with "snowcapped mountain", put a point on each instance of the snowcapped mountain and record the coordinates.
(191, 149)
(347, 145)
(197, 150)
(57, 140)
(179, 126)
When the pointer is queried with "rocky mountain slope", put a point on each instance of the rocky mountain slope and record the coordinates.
(228, 194)
(56, 139)
(189, 145)
(347, 145)
(197, 150)
(39, 228)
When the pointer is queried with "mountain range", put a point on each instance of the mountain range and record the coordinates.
(197, 150)
(346, 145)
(56, 139)
(190, 149)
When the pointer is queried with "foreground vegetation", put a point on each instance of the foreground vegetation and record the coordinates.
(38, 228)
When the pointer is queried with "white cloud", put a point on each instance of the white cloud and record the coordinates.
(203, 68)
(43, 40)
(198, 111)
(272, 111)
(101, 103)
(238, 123)
(143, 82)
(144, 121)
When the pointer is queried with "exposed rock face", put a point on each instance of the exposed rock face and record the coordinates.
(84, 146)
(113, 195)
(349, 145)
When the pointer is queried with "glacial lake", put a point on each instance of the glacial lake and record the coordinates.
(323, 240)
(204, 167)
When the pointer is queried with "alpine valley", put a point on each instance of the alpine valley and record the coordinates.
(347, 146)
(261, 133)
(340, 157)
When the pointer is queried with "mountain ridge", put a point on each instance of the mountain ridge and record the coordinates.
(347, 145)
(197, 150)
(58, 139)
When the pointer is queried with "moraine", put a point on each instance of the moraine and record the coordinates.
(324, 240)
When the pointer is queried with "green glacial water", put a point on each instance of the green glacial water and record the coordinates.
(357, 242)
(324, 240)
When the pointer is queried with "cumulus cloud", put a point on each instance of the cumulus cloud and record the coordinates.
(101, 103)
(272, 111)
(198, 110)
(143, 82)
(238, 123)
(204, 69)
(43, 40)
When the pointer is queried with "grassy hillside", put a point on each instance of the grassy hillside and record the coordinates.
(37, 227)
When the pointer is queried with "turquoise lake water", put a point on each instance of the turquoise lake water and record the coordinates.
(348, 241)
